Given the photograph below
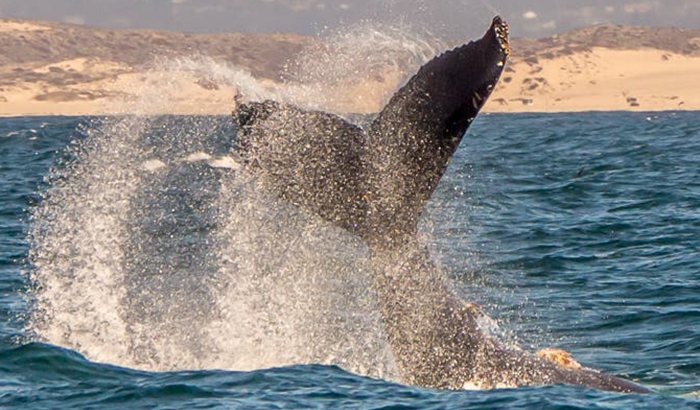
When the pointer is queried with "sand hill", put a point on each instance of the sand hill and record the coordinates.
(604, 67)
(55, 68)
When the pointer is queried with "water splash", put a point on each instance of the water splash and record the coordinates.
(77, 236)
(153, 249)
(358, 68)
(352, 70)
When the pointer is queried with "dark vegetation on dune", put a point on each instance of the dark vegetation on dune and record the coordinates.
(265, 54)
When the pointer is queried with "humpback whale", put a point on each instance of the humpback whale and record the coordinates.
(374, 182)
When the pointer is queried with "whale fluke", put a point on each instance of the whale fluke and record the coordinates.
(375, 182)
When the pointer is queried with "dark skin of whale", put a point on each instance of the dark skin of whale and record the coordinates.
(375, 182)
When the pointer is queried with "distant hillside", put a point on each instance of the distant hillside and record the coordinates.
(676, 40)
(603, 67)
(57, 68)
(33, 42)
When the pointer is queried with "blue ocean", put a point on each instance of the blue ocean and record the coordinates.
(123, 239)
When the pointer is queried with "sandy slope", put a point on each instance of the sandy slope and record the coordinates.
(602, 79)
(110, 87)
(51, 68)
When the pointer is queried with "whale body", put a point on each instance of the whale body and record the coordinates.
(375, 183)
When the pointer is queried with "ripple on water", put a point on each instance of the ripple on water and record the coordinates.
(579, 231)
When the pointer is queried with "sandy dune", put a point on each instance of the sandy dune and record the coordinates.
(601, 79)
(11, 26)
(61, 69)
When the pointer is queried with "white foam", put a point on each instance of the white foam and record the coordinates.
(225, 162)
(470, 386)
(198, 156)
(152, 165)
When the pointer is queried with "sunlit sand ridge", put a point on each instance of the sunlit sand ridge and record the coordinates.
(646, 69)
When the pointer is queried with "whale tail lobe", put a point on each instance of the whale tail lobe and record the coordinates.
(411, 142)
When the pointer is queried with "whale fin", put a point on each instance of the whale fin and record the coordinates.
(311, 159)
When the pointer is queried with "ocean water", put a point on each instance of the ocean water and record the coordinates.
(577, 231)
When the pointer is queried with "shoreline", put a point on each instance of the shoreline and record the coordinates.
(599, 68)
(200, 114)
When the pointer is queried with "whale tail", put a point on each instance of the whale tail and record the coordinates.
(375, 182)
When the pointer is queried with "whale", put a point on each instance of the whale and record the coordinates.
(374, 182)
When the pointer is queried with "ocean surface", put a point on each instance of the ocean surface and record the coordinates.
(576, 231)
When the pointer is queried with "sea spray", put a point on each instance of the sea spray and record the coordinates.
(77, 236)
(147, 253)
(357, 68)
